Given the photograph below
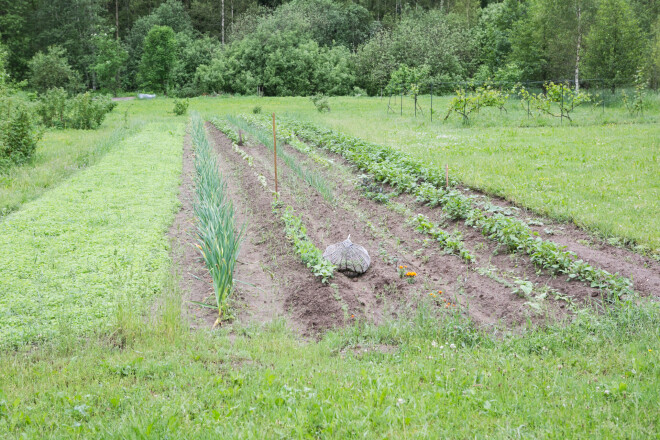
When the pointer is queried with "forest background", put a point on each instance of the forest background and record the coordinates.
(302, 47)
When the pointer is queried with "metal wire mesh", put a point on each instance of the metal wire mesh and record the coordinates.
(350, 258)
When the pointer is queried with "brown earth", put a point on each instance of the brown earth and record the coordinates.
(272, 281)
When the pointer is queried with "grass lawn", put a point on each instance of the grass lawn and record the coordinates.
(418, 378)
(69, 259)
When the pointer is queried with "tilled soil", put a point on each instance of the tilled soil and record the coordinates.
(273, 282)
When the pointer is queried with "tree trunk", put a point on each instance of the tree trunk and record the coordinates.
(579, 47)
(117, 18)
(223, 22)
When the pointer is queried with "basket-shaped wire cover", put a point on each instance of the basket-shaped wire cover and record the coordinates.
(350, 258)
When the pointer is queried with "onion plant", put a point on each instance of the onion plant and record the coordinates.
(218, 237)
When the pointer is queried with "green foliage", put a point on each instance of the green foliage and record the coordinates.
(465, 102)
(308, 252)
(83, 111)
(4, 76)
(171, 13)
(19, 132)
(282, 63)
(158, 58)
(53, 107)
(51, 69)
(321, 103)
(615, 43)
(435, 39)
(192, 53)
(110, 61)
(408, 80)
(210, 78)
(409, 175)
(559, 100)
(92, 242)
(313, 178)
(256, 110)
(218, 237)
(635, 103)
(451, 243)
(180, 106)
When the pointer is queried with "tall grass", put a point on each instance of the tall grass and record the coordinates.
(314, 179)
(218, 239)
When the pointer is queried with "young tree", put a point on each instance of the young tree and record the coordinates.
(614, 43)
(52, 69)
(110, 61)
(158, 58)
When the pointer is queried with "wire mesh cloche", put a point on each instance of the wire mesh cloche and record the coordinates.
(350, 258)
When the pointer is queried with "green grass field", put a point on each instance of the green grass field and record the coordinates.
(94, 345)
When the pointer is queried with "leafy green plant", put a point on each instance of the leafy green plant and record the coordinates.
(256, 109)
(407, 175)
(181, 106)
(308, 252)
(218, 238)
(312, 177)
(19, 132)
(635, 103)
(87, 111)
(321, 103)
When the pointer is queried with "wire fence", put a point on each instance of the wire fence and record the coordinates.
(604, 92)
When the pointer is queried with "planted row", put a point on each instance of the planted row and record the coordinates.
(294, 228)
(225, 127)
(407, 175)
(296, 232)
(314, 179)
(218, 238)
(289, 137)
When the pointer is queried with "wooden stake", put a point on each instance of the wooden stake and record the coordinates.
(447, 174)
(275, 153)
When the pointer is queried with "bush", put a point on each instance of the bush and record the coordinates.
(19, 132)
(256, 110)
(52, 107)
(320, 102)
(87, 112)
(52, 70)
(83, 111)
(180, 106)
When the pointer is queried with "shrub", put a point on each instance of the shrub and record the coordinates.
(180, 106)
(256, 110)
(320, 102)
(51, 69)
(52, 107)
(19, 132)
(87, 112)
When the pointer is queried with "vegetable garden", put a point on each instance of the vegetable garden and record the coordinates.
(236, 325)
(491, 261)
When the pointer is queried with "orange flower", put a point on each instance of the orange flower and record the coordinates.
(411, 274)
(439, 292)
(400, 267)
(352, 316)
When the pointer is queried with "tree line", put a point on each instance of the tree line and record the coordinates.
(303, 47)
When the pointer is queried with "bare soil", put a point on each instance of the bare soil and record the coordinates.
(273, 282)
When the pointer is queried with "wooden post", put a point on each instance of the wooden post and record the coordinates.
(447, 174)
(275, 154)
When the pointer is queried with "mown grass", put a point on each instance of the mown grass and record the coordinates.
(601, 172)
(60, 154)
(95, 242)
(418, 377)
